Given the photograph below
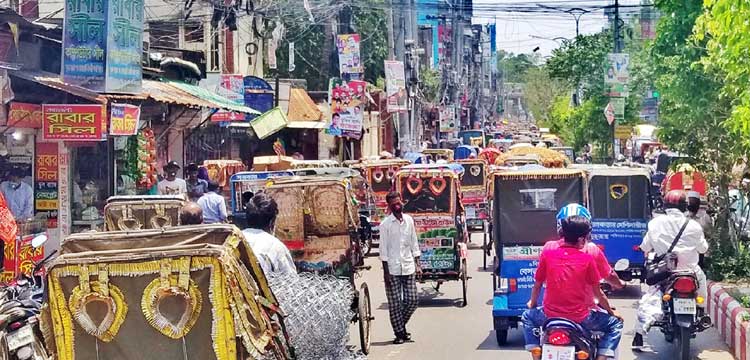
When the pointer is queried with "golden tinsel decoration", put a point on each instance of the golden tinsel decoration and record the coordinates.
(549, 158)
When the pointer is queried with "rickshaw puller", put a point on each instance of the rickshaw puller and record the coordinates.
(399, 252)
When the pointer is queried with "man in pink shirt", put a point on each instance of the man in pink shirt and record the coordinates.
(571, 276)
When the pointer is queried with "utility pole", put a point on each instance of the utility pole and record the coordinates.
(618, 49)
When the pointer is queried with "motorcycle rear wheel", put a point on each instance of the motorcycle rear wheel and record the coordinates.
(681, 343)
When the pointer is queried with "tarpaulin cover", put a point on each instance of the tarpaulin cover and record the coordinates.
(526, 204)
(619, 196)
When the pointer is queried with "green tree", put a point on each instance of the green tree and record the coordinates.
(541, 92)
(693, 113)
(514, 67)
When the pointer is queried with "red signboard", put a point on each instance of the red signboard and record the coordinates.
(74, 122)
(23, 115)
(124, 119)
(20, 257)
(46, 179)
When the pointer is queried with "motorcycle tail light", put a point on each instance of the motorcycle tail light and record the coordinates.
(684, 285)
(512, 285)
(582, 355)
(15, 326)
(558, 337)
(636, 248)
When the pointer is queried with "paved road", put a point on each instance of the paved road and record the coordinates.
(442, 330)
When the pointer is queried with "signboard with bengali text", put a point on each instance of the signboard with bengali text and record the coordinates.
(74, 122)
(124, 119)
(23, 115)
(436, 236)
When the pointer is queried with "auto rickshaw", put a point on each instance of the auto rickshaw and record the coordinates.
(433, 155)
(246, 183)
(182, 292)
(379, 176)
(318, 222)
(465, 152)
(431, 195)
(474, 199)
(620, 206)
(525, 205)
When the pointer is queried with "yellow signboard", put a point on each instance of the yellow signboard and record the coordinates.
(623, 132)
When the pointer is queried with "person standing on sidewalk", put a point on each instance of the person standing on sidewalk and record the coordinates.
(399, 252)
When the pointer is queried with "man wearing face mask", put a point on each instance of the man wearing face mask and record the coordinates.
(399, 252)
(19, 195)
(172, 185)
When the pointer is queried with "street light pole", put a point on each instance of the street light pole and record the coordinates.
(576, 12)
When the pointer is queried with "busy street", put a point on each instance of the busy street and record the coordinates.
(441, 329)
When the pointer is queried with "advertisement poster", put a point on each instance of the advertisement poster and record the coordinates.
(349, 59)
(617, 70)
(448, 119)
(23, 115)
(124, 45)
(74, 122)
(520, 263)
(84, 44)
(436, 236)
(20, 257)
(231, 87)
(395, 86)
(347, 108)
(618, 236)
(124, 119)
(63, 194)
(46, 179)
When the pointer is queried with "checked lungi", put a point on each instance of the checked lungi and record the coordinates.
(401, 291)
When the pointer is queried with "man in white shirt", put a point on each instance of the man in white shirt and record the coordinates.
(662, 231)
(19, 195)
(172, 185)
(213, 204)
(399, 252)
(272, 254)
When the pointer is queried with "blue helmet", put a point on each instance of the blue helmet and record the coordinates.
(571, 210)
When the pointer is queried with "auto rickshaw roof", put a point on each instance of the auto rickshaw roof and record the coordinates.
(303, 164)
(545, 173)
(258, 175)
(384, 162)
(327, 171)
(618, 171)
(455, 169)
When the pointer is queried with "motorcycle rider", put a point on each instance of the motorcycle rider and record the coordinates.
(566, 271)
(602, 264)
(662, 230)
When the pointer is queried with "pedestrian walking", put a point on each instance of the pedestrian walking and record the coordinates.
(213, 204)
(399, 252)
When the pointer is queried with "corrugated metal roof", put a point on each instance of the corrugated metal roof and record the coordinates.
(53, 81)
(184, 94)
(219, 101)
(302, 107)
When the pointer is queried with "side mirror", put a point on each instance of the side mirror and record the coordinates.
(38, 241)
(622, 265)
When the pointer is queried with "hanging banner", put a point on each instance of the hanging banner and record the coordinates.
(231, 87)
(23, 115)
(124, 45)
(74, 122)
(349, 59)
(619, 107)
(448, 119)
(395, 86)
(617, 70)
(84, 44)
(292, 66)
(348, 102)
(124, 119)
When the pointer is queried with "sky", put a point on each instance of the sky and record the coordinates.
(522, 32)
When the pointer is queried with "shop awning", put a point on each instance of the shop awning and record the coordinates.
(172, 92)
(303, 112)
(53, 81)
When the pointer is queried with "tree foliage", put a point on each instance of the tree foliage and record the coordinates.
(515, 66)
(542, 93)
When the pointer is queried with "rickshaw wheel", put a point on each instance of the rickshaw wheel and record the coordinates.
(365, 318)
(464, 281)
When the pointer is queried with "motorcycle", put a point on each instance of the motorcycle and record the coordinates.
(563, 339)
(682, 318)
(20, 304)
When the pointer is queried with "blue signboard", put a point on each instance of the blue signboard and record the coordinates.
(259, 95)
(84, 45)
(523, 272)
(620, 238)
(124, 46)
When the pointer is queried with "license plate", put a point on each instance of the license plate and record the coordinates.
(471, 213)
(552, 352)
(683, 306)
(23, 336)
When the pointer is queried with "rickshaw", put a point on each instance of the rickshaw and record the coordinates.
(318, 222)
(465, 152)
(565, 150)
(433, 155)
(379, 176)
(489, 155)
(245, 183)
(525, 205)
(175, 293)
(141, 212)
(474, 199)
(431, 195)
(619, 202)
